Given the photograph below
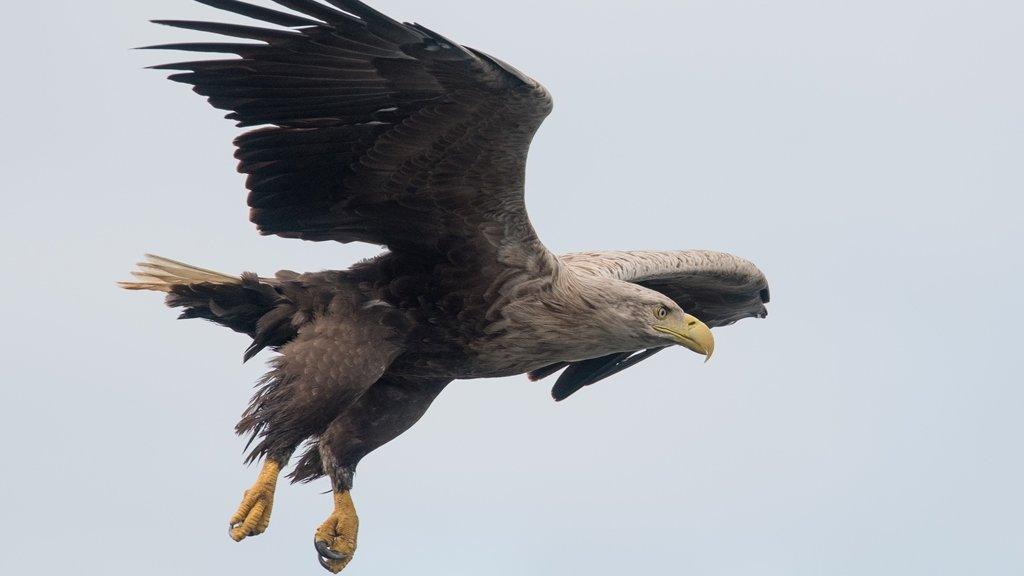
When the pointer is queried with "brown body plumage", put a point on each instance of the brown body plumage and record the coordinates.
(388, 133)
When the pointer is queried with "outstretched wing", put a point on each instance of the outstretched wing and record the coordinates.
(375, 131)
(717, 288)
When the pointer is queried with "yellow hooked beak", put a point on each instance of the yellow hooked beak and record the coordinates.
(690, 333)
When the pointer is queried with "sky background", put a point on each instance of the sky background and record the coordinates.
(866, 155)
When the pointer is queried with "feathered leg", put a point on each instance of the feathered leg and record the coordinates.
(387, 409)
(319, 374)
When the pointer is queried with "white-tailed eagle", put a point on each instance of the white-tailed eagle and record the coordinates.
(370, 130)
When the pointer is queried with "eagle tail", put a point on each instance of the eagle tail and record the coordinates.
(163, 275)
(247, 303)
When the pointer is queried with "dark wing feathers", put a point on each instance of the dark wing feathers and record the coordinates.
(315, 9)
(233, 30)
(260, 13)
(587, 372)
(374, 131)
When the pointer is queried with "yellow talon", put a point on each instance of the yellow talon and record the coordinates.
(336, 538)
(253, 514)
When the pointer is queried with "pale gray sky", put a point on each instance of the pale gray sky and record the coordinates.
(866, 155)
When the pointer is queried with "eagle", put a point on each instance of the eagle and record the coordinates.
(366, 129)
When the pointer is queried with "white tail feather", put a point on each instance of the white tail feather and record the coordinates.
(162, 274)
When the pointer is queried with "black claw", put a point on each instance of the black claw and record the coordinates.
(325, 550)
(324, 563)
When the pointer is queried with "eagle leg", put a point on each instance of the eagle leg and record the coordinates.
(335, 539)
(388, 408)
(253, 514)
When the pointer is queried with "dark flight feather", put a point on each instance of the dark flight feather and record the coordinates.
(414, 111)
(260, 13)
(580, 374)
(234, 30)
(315, 9)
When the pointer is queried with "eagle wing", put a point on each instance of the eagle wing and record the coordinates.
(373, 130)
(717, 288)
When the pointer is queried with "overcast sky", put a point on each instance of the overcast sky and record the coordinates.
(866, 155)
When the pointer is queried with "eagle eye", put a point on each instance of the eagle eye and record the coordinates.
(661, 312)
